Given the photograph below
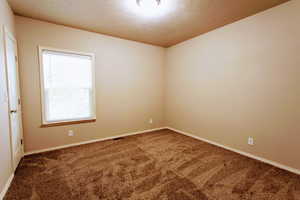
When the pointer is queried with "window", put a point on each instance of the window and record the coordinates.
(67, 86)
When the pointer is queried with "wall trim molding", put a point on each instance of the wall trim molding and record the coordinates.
(92, 141)
(273, 163)
(7, 185)
(264, 160)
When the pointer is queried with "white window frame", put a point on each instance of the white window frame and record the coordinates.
(42, 88)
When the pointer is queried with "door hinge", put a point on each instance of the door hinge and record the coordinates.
(16, 58)
(19, 101)
(21, 141)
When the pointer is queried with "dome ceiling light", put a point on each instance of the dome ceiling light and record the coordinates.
(150, 9)
(148, 3)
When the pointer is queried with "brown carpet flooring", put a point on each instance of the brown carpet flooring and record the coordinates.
(162, 165)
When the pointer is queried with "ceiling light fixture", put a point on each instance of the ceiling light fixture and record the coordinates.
(148, 3)
(150, 9)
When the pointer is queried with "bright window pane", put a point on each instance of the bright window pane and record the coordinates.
(68, 86)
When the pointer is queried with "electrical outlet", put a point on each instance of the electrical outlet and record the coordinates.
(251, 141)
(150, 121)
(71, 133)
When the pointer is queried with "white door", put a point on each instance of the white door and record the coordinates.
(13, 98)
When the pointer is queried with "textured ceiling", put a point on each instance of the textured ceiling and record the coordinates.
(174, 22)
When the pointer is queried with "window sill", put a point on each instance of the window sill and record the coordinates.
(67, 123)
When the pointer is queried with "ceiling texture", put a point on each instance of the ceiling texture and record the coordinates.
(174, 21)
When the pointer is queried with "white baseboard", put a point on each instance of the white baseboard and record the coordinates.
(92, 141)
(273, 163)
(3, 192)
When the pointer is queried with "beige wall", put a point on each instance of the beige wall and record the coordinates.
(129, 84)
(6, 19)
(241, 80)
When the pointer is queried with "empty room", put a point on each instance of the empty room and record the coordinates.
(150, 100)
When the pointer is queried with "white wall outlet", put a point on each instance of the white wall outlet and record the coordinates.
(71, 133)
(251, 141)
(150, 121)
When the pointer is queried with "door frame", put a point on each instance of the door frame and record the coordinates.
(7, 33)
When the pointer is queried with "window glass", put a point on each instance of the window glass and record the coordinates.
(67, 86)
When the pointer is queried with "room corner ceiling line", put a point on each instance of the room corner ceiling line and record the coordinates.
(159, 25)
